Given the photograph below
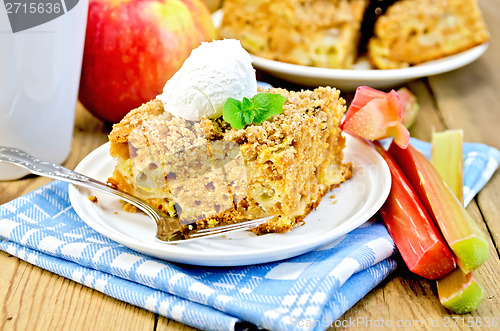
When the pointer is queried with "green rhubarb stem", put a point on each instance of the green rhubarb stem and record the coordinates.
(459, 292)
(446, 156)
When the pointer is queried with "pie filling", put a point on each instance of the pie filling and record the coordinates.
(209, 174)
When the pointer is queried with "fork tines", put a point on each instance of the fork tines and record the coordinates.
(246, 225)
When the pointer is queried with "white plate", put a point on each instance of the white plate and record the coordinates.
(349, 80)
(341, 211)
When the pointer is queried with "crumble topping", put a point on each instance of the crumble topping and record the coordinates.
(209, 173)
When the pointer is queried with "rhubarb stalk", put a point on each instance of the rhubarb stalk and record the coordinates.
(458, 292)
(446, 156)
(375, 115)
(410, 106)
(416, 236)
(458, 228)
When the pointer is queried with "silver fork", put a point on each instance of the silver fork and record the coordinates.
(169, 229)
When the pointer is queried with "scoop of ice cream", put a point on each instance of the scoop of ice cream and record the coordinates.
(212, 73)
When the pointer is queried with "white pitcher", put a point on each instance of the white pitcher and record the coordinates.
(39, 77)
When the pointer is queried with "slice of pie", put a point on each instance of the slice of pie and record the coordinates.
(208, 174)
(416, 31)
(337, 33)
(312, 33)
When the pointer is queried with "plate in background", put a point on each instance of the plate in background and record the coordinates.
(350, 79)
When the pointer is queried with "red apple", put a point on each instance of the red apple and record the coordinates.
(132, 47)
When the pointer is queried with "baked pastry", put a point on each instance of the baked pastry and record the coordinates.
(207, 173)
(416, 31)
(314, 33)
(335, 33)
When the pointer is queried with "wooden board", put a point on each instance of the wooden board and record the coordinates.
(468, 98)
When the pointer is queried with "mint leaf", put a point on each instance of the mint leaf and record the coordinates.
(247, 110)
(231, 112)
(255, 110)
(267, 105)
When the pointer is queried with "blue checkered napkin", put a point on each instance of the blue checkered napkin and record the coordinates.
(309, 291)
(44, 230)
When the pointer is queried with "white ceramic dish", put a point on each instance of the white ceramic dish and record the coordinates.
(349, 80)
(341, 211)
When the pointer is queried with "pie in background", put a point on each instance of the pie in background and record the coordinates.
(416, 31)
(311, 33)
(336, 33)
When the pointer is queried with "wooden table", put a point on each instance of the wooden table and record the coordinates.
(468, 98)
